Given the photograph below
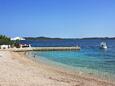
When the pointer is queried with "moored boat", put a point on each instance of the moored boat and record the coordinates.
(103, 45)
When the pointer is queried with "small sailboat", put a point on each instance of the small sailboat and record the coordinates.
(103, 45)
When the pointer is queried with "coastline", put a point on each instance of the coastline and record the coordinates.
(22, 71)
(75, 70)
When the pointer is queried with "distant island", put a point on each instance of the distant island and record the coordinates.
(42, 38)
(48, 38)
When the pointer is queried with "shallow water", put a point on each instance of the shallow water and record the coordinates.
(90, 57)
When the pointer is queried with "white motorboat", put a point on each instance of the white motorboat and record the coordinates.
(103, 45)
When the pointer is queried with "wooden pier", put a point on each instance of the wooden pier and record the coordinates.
(45, 49)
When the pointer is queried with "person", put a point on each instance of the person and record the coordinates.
(34, 55)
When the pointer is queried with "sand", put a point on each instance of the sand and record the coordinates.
(17, 70)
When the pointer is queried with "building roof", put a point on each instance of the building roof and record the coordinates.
(17, 38)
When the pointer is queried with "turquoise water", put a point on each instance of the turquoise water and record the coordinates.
(90, 58)
(99, 62)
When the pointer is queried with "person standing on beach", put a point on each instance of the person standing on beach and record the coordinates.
(34, 55)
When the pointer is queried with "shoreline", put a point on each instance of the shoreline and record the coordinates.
(26, 72)
(66, 69)
(88, 73)
(78, 70)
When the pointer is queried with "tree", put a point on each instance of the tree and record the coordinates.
(5, 40)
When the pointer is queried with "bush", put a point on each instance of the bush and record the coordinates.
(5, 40)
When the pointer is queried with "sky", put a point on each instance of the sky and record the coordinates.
(57, 18)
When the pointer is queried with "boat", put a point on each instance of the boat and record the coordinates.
(103, 45)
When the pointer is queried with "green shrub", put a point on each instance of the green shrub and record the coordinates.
(5, 40)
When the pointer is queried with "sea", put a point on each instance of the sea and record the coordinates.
(90, 58)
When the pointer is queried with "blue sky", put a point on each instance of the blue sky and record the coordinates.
(58, 18)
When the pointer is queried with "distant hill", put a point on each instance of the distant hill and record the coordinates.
(48, 38)
(100, 38)
(41, 38)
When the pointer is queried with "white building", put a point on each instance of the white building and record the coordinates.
(17, 38)
(5, 46)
